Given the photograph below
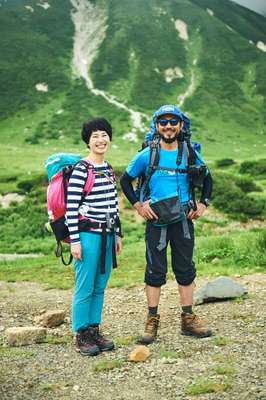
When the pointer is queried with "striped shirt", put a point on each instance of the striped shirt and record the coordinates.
(101, 200)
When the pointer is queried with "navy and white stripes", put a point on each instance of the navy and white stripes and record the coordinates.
(101, 200)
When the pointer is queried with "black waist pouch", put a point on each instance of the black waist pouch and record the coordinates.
(168, 211)
(60, 228)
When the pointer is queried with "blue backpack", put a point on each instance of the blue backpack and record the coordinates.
(152, 139)
(57, 162)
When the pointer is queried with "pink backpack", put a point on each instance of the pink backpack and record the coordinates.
(56, 203)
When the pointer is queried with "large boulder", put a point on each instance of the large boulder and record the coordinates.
(222, 288)
(22, 336)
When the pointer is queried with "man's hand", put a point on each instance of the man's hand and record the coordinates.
(118, 244)
(76, 251)
(145, 210)
(198, 213)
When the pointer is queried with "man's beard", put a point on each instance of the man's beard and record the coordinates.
(169, 140)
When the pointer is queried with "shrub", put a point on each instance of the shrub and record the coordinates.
(26, 184)
(225, 162)
(255, 168)
(229, 197)
(247, 185)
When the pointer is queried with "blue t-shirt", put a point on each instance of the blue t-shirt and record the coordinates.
(164, 184)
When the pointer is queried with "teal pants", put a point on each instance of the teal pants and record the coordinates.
(90, 284)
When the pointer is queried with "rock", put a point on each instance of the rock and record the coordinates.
(22, 336)
(8, 198)
(219, 289)
(140, 353)
(50, 319)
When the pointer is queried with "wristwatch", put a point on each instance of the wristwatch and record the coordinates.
(206, 202)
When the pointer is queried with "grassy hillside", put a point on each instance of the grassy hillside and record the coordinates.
(35, 48)
(221, 69)
(141, 43)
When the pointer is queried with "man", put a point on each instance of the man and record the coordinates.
(168, 182)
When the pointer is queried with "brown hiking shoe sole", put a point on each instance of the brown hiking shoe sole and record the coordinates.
(145, 340)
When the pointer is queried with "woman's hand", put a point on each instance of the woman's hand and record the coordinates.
(76, 251)
(198, 213)
(118, 245)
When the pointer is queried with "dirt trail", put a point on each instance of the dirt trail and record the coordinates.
(233, 360)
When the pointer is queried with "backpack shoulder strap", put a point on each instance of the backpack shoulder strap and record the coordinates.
(112, 172)
(187, 148)
(153, 163)
(90, 177)
(180, 152)
(192, 154)
(154, 157)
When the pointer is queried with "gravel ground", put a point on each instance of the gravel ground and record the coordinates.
(231, 363)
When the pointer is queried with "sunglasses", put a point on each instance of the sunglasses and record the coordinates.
(164, 122)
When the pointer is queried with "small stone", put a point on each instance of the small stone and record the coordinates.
(76, 388)
(37, 319)
(140, 353)
(51, 319)
(22, 336)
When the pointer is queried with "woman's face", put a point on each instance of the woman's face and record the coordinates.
(99, 142)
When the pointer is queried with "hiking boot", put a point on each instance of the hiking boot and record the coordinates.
(102, 343)
(191, 325)
(85, 345)
(151, 328)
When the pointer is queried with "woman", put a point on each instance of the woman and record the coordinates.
(93, 222)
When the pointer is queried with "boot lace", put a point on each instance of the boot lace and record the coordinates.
(97, 336)
(151, 325)
(196, 321)
(89, 337)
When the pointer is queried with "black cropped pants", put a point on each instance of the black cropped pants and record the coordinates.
(181, 254)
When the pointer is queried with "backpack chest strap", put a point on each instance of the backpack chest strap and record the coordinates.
(175, 170)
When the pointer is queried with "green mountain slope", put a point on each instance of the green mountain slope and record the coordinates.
(33, 50)
(201, 54)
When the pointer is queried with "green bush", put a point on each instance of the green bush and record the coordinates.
(261, 243)
(8, 178)
(229, 197)
(26, 184)
(218, 247)
(246, 249)
(247, 185)
(255, 168)
(225, 162)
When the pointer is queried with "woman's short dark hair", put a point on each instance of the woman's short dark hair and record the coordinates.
(93, 125)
